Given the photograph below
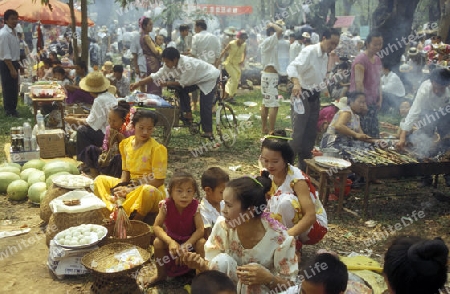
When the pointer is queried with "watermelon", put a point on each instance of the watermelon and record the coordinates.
(17, 190)
(36, 177)
(7, 178)
(35, 163)
(56, 167)
(35, 191)
(13, 164)
(74, 169)
(27, 172)
(12, 169)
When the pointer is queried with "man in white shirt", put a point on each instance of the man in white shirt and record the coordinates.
(431, 102)
(392, 89)
(9, 62)
(269, 77)
(205, 45)
(190, 74)
(429, 111)
(308, 72)
(119, 33)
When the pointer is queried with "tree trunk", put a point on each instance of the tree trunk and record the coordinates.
(74, 32)
(393, 19)
(347, 4)
(444, 24)
(263, 9)
(84, 32)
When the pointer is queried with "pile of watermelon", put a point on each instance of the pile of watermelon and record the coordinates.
(32, 179)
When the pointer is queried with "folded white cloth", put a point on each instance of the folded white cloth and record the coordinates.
(88, 202)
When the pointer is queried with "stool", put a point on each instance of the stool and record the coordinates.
(324, 179)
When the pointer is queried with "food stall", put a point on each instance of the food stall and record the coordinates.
(48, 93)
(378, 163)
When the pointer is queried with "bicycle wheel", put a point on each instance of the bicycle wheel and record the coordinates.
(226, 125)
(163, 131)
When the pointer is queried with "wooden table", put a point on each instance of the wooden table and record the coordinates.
(371, 173)
(59, 100)
(324, 179)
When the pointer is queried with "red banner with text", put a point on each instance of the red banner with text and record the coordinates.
(225, 9)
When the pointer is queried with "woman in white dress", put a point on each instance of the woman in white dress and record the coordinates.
(249, 246)
(293, 200)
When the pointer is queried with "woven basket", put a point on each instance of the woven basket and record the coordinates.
(52, 193)
(60, 221)
(140, 235)
(104, 258)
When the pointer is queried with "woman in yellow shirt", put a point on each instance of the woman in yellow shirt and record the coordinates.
(236, 50)
(144, 166)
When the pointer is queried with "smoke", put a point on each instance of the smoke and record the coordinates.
(423, 145)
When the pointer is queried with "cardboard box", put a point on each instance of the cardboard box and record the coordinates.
(62, 261)
(24, 156)
(51, 143)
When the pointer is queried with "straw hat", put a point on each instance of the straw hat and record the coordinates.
(230, 31)
(306, 35)
(341, 103)
(280, 22)
(413, 51)
(108, 66)
(112, 89)
(94, 82)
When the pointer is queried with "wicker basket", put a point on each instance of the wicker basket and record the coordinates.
(140, 235)
(104, 258)
(52, 193)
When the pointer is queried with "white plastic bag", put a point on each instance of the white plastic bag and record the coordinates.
(297, 104)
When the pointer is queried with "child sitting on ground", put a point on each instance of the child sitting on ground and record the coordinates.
(324, 273)
(178, 227)
(60, 75)
(212, 282)
(107, 160)
(213, 183)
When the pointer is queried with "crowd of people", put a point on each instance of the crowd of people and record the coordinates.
(250, 228)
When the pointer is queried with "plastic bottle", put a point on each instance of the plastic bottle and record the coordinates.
(27, 131)
(40, 121)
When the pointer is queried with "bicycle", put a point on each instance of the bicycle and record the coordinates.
(171, 117)
(225, 118)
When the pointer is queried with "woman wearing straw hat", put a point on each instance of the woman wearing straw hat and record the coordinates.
(91, 130)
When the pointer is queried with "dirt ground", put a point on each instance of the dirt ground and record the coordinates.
(23, 258)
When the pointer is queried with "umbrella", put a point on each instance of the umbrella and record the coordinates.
(56, 13)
